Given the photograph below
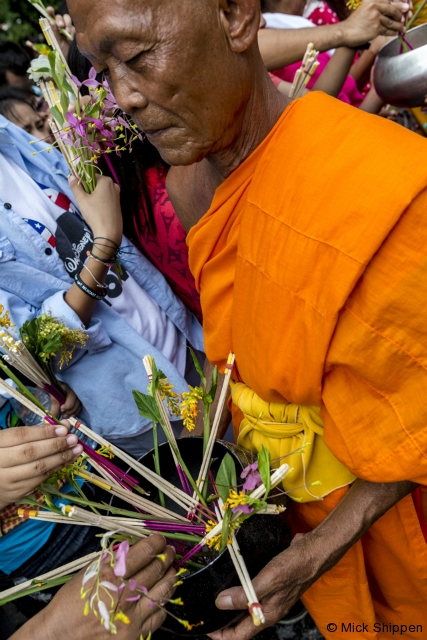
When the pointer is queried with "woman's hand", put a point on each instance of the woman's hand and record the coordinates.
(71, 406)
(373, 18)
(29, 455)
(101, 209)
(63, 617)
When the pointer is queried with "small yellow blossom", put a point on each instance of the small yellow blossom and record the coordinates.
(86, 609)
(189, 406)
(189, 626)
(177, 601)
(122, 617)
(353, 4)
(161, 556)
(5, 320)
(235, 499)
(165, 388)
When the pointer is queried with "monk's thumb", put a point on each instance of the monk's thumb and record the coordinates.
(232, 599)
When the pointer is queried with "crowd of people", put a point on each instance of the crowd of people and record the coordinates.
(289, 232)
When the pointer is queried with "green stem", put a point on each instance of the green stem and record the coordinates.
(41, 586)
(416, 14)
(206, 425)
(157, 460)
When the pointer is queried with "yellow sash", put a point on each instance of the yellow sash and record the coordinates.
(283, 428)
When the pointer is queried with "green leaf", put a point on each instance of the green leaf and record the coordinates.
(146, 406)
(198, 367)
(226, 477)
(264, 468)
(57, 115)
(214, 385)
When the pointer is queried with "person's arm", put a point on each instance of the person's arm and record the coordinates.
(280, 584)
(361, 69)
(372, 103)
(101, 210)
(335, 73)
(281, 47)
(63, 617)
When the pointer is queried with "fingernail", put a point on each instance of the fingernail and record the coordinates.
(61, 431)
(224, 602)
(77, 450)
(72, 439)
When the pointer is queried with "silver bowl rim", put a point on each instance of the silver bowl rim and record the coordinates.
(381, 53)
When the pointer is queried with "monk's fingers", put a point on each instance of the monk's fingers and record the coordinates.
(22, 435)
(40, 453)
(153, 620)
(156, 567)
(68, 24)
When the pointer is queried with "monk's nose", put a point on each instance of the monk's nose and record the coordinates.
(128, 95)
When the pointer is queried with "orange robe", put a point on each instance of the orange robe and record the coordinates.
(312, 268)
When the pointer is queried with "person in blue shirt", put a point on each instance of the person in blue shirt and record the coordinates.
(50, 261)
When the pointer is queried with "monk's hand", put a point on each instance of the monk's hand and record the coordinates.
(373, 18)
(278, 586)
(29, 455)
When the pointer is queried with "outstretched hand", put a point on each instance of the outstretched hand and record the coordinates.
(278, 586)
(373, 18)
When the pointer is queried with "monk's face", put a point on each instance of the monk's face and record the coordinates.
(179, 68)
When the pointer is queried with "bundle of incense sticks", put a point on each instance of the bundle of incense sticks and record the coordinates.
(305, 72)
(19, 357)
(45, 14)
(147, 362)
(204, 469)
(255, 609)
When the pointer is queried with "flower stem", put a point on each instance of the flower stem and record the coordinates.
(157, 460)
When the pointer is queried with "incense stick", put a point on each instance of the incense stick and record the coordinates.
(305, 72)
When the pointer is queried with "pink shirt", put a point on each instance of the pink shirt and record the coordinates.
(167, 248)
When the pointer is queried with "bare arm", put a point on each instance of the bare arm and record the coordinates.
(102, 212)
(281, 47)
(292, 572)
(335, 73)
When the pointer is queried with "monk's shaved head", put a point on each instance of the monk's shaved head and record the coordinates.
(183, 69)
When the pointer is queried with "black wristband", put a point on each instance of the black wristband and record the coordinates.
(87, 290)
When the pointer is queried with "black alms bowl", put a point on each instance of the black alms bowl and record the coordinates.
(260, 538)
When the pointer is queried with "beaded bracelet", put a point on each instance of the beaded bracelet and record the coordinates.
(87, 290)
(99, 284)
(106, 263)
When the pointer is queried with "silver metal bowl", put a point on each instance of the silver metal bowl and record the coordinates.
(401, 80)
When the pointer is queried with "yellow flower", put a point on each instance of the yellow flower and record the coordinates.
(86, 609)
(177, 601)
(5, 320)
(189, 406)
(165, 388)
(353, 4)
(106, 452)
(235, 499)
(189, 626)
(122, 617)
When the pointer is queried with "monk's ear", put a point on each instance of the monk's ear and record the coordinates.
(240, 20)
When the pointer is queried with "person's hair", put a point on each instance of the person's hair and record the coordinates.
(12, 58)
(129, 167)
(10, 97)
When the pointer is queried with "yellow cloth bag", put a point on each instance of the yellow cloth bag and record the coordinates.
(284, 428)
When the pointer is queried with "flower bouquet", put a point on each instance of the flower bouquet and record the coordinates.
(187, 490)
(83, 130)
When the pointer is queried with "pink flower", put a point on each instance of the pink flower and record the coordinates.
(253, 478)
(243, 508)
(91, 81)
(121, 553)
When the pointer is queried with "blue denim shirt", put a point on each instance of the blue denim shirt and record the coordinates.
(31, 282)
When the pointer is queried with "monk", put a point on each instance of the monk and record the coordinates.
(311, 267)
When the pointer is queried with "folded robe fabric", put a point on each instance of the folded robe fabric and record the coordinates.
(312, 268)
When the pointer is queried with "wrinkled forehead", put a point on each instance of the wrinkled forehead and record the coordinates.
(101, 25)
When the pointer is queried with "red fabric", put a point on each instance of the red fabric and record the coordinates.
(323, 15)
(275, 79)
(167, 249)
